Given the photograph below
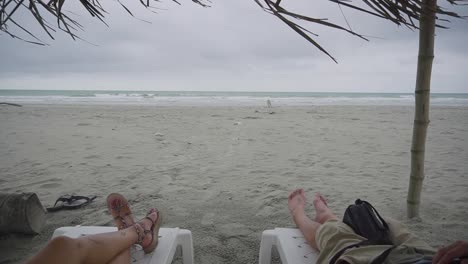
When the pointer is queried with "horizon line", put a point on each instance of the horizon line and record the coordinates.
(204, 91)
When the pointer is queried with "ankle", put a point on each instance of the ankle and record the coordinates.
(140, 232)
(326, 217)
(298, 214)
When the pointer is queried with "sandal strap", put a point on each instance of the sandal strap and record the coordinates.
(119, 216)
(153, 210)
(121, 219)
(152, 222)
(141, 235)
(63, 198)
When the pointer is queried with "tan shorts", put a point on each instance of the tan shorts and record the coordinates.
(334, 235)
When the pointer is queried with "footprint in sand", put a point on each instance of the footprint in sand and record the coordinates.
(123, 157)
(234, 230)
(92, 157)
(258, 171)
(124, 182)
(208, 219)
(266, 211)
(50, 185)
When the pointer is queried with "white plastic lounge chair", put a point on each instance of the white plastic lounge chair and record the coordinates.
(169, 240)
(291, 246)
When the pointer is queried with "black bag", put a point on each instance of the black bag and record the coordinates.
(364, 219)
(367, 222)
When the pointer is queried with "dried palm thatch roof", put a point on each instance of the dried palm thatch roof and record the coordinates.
(400, 12)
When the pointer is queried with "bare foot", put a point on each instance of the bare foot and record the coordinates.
(296, 202)
(322, 212)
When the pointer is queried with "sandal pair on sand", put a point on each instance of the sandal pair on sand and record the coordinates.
(120, 211)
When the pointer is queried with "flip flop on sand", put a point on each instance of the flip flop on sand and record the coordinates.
(120, 210)
(69, 202)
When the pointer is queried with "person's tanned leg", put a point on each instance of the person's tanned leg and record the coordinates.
(120, 210)
(99, 248)
(123, 258)
(308, 227)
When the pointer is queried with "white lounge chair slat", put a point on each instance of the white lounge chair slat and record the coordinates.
(291, 246)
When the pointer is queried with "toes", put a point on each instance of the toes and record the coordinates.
(297, 192)
(293, 194)
(301, 192)
(154, 215)
(321, 198)
(317, 198)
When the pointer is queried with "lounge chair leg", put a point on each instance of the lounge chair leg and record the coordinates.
(185, 241)
(268, 240)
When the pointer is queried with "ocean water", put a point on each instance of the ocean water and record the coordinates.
(200, 98)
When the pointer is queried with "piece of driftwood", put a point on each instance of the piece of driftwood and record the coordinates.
(21, 213)
(12, 104)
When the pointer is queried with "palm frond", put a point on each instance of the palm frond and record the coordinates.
(399, 12)
(37, 8)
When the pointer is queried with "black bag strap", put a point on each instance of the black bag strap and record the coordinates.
(378, 260)
(375, 211)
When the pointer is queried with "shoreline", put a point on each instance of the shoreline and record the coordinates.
(235, 99)
(258, 107)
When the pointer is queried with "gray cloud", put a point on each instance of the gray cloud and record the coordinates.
(231, 46)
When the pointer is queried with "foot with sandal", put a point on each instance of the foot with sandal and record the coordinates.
(120, 210)
(113, 247)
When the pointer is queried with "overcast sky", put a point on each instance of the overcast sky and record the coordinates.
(231, 46)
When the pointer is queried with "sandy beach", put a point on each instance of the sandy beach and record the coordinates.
(225, 172)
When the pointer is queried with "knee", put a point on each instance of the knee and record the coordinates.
(62, 242)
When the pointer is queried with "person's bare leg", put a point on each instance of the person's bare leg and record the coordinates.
(120, 210)
(296, 205)
(99, 248)
(123, 258)
(322, 212)
(308, 227)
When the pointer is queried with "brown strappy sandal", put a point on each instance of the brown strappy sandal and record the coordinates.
(154, 231)
(119, 209)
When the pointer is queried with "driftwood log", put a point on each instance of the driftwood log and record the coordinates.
(21, 213)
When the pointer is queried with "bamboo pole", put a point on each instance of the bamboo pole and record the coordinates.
(422, 96)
